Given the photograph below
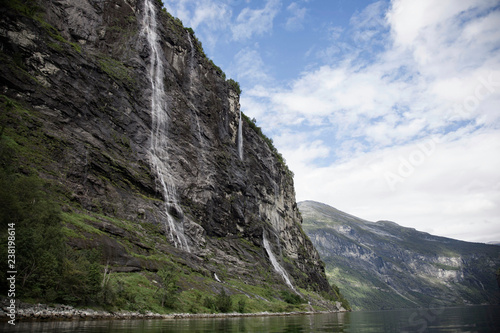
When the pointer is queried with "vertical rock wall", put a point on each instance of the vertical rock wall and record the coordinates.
(84, 70)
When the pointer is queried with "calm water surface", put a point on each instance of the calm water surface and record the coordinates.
(459, 319)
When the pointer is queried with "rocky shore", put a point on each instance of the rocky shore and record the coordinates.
(43, 312)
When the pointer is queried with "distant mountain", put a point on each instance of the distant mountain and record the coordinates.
(382, 265)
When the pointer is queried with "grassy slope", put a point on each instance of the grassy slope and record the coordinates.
(32, 153)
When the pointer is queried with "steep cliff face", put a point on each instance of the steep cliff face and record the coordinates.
(115, 104)
(383, 265)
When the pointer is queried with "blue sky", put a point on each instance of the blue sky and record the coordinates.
(387, 110)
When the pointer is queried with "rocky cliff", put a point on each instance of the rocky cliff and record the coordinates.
(115, 105)
(384, 266)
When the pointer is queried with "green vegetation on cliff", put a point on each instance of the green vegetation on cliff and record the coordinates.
(50, 271)
(252, 123)
(76, 180)
(47, 269)
(54, 265)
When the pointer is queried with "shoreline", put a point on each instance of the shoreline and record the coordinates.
(43, 312)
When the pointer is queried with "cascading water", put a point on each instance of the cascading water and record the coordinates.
(158, 151)
(240, 139)
(275, 263)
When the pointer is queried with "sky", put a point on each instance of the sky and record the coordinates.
(386, 110)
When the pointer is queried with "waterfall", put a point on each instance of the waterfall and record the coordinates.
(240, 139)
(275, 263)
(159, 140)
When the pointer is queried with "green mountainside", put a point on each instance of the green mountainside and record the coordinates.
(381, 265)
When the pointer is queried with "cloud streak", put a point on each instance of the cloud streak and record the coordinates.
(255, 21)
(297, 16)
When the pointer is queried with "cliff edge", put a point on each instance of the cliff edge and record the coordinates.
(137, 137)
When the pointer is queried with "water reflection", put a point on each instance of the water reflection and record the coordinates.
(467, 319)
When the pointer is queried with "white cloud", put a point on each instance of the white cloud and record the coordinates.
(248, 65)
(299, 149)
(194, 13)
(399, 96)
(353, 99)
(209, 18)
(294, 22)
(368, 25)
(446, 188)
(448, 37)
(213, 14)
(255, 21)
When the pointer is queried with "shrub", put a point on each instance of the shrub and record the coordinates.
(235, 85)
(241, 305)
(337, 296)
(291, 298)
(252, 124)
(168, 289)
(223, 302)
(209, 303)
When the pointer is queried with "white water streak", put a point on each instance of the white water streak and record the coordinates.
(275, 263)
(159, 139)
(240, 139)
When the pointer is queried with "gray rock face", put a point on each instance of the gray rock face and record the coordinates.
(81, 68)
(383, 265)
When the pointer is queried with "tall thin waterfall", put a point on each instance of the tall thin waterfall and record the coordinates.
(159, 141)
(240, 139)
(275, 263)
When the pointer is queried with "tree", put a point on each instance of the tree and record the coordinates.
(241, 305)
(40, 243)
(223, 302)
(167, 290)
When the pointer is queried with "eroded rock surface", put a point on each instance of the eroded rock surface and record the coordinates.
(81, 69)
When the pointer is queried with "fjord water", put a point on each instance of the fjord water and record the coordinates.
(457, 319)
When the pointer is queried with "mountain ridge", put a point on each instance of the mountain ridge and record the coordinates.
(382, 265)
